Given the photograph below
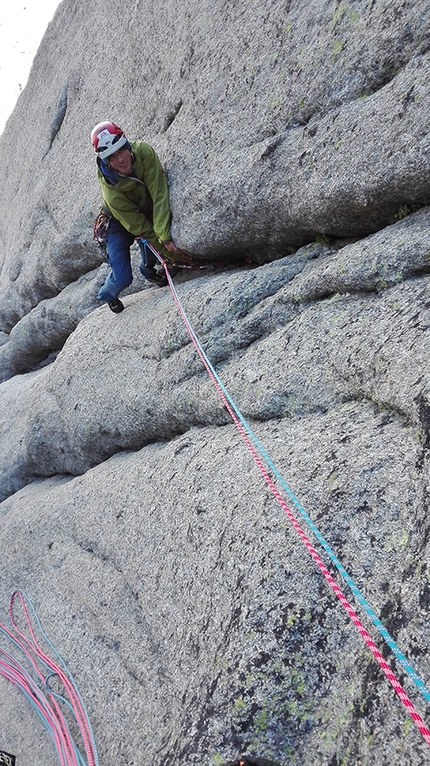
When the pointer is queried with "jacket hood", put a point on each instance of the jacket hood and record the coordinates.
(109, 174)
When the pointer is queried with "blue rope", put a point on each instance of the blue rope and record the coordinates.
(38, 695)
(347, 578)
(69, 674)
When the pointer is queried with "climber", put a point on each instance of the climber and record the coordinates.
(136, 206)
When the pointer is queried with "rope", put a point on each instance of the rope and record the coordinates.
(250, 440)
(39, 693)
(419, 683)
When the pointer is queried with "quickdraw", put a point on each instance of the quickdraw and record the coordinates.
(101, 225)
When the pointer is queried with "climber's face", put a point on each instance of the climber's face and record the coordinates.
(121, 161)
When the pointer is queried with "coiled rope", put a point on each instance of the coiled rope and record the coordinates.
(36, 687)
(253, 445)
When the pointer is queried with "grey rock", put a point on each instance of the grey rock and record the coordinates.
(275, 124)
(46, 327)
(43, 331)
(223, 627)
(197, 626)
(60, 113)
(194, 620)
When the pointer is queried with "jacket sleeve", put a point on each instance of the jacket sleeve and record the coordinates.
(156, 183)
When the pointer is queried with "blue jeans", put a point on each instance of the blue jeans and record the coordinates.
(118, 242)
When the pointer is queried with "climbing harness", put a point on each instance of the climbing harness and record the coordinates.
(253, 446)
(36, 684)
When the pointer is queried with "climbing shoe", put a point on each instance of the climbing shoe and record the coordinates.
(116, 306)
(157, 279)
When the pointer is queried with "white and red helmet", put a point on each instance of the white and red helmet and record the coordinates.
(107, 138)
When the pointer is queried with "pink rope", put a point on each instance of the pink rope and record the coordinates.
(73, 697)
(395, 683)
(13, 673)
(48, 706)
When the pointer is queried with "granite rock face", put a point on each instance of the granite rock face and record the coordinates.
(194, 620)
(276, 123)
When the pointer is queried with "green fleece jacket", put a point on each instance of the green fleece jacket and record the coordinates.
(128, 199)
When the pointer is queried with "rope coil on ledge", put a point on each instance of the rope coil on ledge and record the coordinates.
(35, 684)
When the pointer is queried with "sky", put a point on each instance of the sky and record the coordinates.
(22, 26)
